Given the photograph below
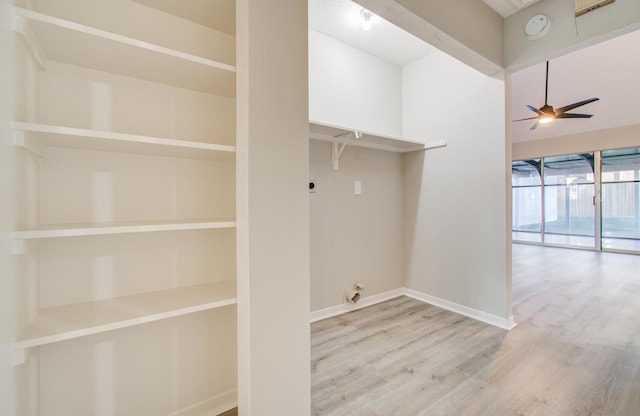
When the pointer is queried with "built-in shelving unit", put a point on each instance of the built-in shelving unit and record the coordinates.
(89, 318)
(124, 133)
(52, 38)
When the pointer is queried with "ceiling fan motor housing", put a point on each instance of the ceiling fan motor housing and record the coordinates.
(547, 110)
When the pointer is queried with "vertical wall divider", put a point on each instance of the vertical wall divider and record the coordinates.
(597, 200)
(542, 202)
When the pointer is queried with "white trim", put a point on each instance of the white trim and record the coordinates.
(348, 307)
(83, 319)
(504, 323)
(396, 148)
(435, 145)
(329, 132)
(89, 134)
(77, 230)
(211, 406)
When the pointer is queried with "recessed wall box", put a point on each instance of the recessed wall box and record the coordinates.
(585, 6)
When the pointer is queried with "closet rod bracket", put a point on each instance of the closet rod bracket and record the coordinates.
(337, 149)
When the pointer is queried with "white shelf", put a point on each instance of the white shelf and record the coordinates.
(325, 132)
(61, 40)
(36, 137)
(82, 230)
(82, 319)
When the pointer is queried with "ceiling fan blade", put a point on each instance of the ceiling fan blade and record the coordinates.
(528, 118)
(575, 105)
(535, 110)
(535, 126)
(573, 115)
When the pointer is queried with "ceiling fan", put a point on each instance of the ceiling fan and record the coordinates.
(546, 113)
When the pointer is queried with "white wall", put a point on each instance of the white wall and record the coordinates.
(273, 208)
(568, 33)
(456, 242)
(6, 216)
(615, 138)
(355, 238)
(350, 88)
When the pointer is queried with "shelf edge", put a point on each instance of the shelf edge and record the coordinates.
(117, 229)
(120, 137)
(77, 27)
(435, 144)
(393, 144)
(78, 333)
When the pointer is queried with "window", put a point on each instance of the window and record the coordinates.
(526, 201)
(555, 200)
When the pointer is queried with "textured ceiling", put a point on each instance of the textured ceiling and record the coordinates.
(341, 20)
(506, 8)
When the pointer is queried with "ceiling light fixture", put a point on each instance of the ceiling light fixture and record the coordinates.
(547, 114)
(366, 19)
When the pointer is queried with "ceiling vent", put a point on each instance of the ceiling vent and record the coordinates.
(584, 6)
(521, 4)
(506, 8)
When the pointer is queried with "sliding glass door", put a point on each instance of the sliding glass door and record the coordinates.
(526, 201)
(621, 199)
(589, 200)
(569, 200)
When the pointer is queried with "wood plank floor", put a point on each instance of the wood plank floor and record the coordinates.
(575, 351)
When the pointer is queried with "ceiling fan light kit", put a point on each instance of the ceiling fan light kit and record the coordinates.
(547, 113)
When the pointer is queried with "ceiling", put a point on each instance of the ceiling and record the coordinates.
(506, 8)
(341, 20)
(607, 70)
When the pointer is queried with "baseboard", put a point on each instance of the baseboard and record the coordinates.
(348, 307)
(504, 323)
(212, 406)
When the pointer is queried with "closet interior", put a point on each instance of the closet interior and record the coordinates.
(124, 236)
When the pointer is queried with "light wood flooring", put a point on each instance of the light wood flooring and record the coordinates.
(575, 351)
